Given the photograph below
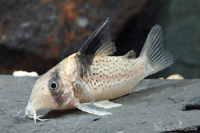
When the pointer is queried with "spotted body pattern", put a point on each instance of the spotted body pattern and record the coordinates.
(113, 77)
(92, 74)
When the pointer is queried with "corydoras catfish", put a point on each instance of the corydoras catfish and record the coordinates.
(92, 74)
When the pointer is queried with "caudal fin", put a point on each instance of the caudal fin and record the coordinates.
(156, 56)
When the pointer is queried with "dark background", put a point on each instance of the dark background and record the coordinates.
(36, 35)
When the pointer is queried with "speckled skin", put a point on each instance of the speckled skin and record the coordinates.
(112, 76)
(92, 74)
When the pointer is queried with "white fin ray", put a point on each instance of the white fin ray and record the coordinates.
(92, 109)
(106, 104)
(154, 53)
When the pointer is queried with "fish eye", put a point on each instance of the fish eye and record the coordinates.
(53, 85)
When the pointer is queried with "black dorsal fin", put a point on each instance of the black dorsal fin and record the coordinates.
(98, 43)
(130, 54)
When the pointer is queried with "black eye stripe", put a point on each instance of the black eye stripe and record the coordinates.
(53, 85)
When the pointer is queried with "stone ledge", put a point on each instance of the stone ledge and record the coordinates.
(155, 106)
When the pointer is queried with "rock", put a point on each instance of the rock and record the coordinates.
(155, 106)
(180, 24)
(194, 103)
(36, 35)
(175, 76)
(182, 35)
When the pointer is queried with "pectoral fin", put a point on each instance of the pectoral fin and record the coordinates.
(92, 109)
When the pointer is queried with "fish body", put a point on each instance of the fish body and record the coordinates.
(92, 74)
(114, 76)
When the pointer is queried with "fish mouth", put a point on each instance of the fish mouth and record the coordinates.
(31, 112)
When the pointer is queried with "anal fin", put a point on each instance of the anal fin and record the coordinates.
(92, 109)
(106, 104)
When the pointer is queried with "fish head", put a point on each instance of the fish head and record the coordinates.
(53, 91)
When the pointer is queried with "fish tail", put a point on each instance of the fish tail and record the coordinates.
(154, 53)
